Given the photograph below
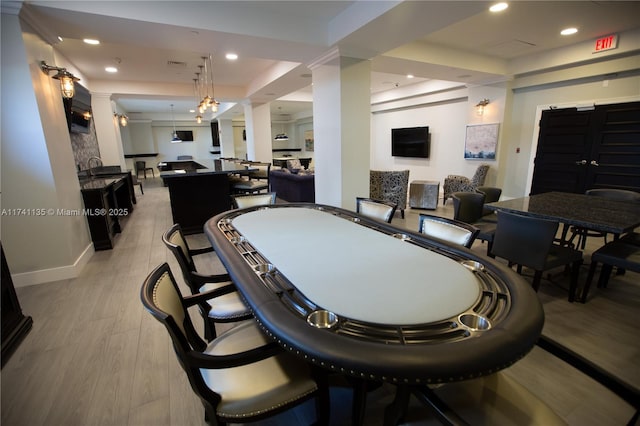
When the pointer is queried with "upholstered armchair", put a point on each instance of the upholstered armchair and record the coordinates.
(390, 186)
(457, 183)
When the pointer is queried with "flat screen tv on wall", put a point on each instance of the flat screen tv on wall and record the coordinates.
(185, 135)
(410, 142)
(78, 110)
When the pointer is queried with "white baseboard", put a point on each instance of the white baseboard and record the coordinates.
(25, 279)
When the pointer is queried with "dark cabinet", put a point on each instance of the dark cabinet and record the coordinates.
(107, 203)
(15, 325)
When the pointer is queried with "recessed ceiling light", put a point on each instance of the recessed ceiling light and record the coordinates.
(499, 7)
(111, 69)
(231, 56)
(409, 75)
(569, 31)
(91, 41)
(60, 39)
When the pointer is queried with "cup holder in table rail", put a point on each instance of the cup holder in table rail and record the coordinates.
(474, 322)
(238, 239)
(322, 319)
(264, 268)
(400, 236)
(473, 265)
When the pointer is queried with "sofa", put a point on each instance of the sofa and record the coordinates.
(293, 187)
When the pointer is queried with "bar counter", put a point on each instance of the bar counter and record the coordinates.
(198, 189)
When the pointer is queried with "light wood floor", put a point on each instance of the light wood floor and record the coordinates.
(95, 357)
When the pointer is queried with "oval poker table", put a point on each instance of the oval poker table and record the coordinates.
(364, 298)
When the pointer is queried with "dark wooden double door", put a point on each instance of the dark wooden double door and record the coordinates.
(584, 149)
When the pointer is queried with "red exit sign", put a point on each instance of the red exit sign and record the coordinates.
(606, 43)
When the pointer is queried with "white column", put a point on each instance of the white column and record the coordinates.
(227, 148)
(258, 126)
(107, 130)
(341, 126)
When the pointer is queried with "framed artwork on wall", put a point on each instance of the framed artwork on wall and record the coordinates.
(481, 141)
(308, 140)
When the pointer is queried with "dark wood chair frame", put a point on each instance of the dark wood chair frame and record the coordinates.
(195, 280)
(626, 392)
(141, 166)
(189, 348)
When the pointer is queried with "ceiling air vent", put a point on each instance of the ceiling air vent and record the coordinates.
(176, 64)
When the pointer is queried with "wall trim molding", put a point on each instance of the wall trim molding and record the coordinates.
(43, 276)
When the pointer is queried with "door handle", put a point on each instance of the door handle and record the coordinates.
(581, 162)
(594, 163)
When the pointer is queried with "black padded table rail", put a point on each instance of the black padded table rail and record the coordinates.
(402, 308)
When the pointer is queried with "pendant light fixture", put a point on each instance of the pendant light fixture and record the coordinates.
(205, 79)
(175, 138)
(281, 136)
(195, 88)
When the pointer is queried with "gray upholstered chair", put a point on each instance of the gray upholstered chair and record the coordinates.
(528, 241)
(491, 195)
(390, 186)
(623, 253)
(376, 209)
(611, 194)
(240, 376)
(468, 208)
(252, 200)
(457, 183)
(446, 229)
(225, 304)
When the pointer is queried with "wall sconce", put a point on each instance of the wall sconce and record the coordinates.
(480, 106)
(122, 119)
(66, 79)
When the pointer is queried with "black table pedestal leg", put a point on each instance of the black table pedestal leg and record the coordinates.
(359, 402)
(397, 409)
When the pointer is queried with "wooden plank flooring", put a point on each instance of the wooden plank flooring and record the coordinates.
(95, 357)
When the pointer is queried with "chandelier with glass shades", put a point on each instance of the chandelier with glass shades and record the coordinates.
(204, 88)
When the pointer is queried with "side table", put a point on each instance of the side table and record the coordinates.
(423, 194)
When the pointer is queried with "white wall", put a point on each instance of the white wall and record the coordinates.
(199, 149)
(447, 111)
(447, 108)
(38, 168)
(522, 128)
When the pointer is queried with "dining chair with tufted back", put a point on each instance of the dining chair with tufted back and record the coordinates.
(240, 376)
